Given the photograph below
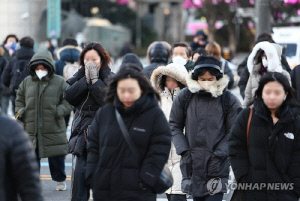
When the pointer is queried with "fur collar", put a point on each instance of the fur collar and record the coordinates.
(67, 47)
(274, 63)
(176, 71)
(216, 90)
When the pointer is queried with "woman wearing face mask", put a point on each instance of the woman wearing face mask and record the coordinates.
(86, 93)
(9, 48)
(258, 64)
(168, 81)
(112, 168)
(264, 145)
(206, 111)
(41, 108)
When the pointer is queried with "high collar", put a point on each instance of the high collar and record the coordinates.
(24, 53)
(144, 103)
(215, 90)
(288, 114)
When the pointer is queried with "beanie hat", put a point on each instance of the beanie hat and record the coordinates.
(206, 62)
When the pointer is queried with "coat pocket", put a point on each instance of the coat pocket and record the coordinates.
(217, 166)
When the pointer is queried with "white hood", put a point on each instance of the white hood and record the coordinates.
(273, 52)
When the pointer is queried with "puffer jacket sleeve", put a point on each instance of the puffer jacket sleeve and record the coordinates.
(64, 108)
(285, 64)
(2, 66)
(97, 91)
(287, 75)
(248, 93)
(229, 73)
(7, 73)
(158, 150)
(294, 77)
(93, 147)
(294, 167)
(23, 164)
(77, 92)
(235, 108)
(243, 81)
(242, 66)
(238, 153)
(20, 100)
(177, 123)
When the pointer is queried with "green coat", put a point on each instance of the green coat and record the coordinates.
(41, 108)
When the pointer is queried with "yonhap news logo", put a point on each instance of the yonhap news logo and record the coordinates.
(215, 186)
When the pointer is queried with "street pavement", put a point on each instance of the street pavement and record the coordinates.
(49, 186)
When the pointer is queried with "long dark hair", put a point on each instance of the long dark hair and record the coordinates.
(105, 58)
(129, 71)
(275, 77)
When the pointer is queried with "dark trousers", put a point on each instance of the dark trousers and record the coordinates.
(175, 197)
(56, 166)
(216, 197)
(80, 189)
(4, 103)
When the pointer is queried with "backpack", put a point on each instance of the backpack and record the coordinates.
(70, 69)
(19, 73)
(224, 100)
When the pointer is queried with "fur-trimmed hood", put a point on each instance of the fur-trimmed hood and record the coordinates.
(216, 89)
(68, 47)
(273, 52)
(176, 71)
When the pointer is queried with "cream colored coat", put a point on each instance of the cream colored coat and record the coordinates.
(179, 73)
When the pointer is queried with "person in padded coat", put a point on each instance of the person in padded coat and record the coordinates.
(168, 81)
(86, 93)
(41, 107)
(113, 170)
(265, 57)
(203, 147)
(270, 154)
(19, 174)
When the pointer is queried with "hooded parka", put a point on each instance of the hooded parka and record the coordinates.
(112, 168)
(41, 107)
(204, 144)
(179, 73)
(272, 156)
(66, 54)
(273, 53)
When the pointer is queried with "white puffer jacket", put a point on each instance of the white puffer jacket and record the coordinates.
(179, 73)
(273, 52)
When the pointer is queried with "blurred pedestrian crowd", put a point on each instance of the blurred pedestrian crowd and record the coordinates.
(172, 126)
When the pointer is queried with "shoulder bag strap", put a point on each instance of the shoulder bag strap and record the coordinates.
(248, 126)
(126, 135)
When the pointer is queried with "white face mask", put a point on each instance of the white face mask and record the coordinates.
(179, 60)
(41, 73)
(206, 84)
(265, 62)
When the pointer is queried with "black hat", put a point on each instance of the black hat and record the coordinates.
(206, 62)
